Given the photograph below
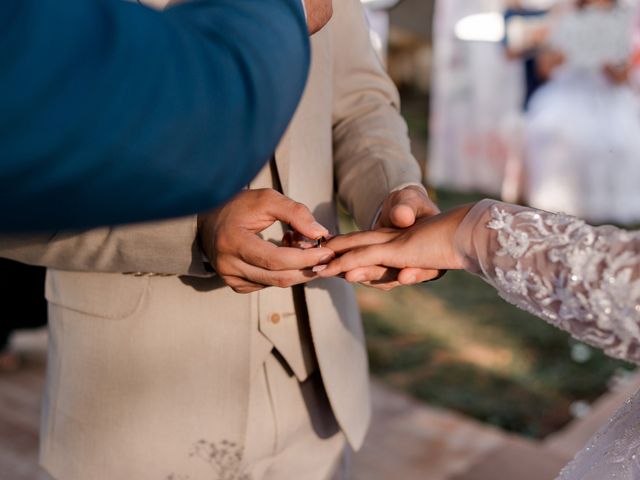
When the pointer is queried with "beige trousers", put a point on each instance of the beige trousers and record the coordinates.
(292, 433)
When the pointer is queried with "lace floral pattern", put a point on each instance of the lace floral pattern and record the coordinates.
(580, 278)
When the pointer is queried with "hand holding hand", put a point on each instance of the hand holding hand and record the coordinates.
(400, 210)
(428, 245)
(229, 238)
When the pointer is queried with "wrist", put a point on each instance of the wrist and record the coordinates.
(458, 256)
(204, 234)
(465, 241)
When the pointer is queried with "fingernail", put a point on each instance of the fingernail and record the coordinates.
(411, 279)
(357, 279)
(320, 229)
(319, 268)
(327, 258)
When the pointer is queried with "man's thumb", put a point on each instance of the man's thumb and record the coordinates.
(404, 214)
(302, 220)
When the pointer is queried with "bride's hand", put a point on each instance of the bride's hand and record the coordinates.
(429, 244)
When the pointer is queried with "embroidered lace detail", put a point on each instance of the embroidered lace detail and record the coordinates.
(224, 458)
(580, 278)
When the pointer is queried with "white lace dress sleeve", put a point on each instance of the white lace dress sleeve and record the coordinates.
(582, 279)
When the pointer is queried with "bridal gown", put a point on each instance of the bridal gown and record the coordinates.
(582, 147)
(582, 279)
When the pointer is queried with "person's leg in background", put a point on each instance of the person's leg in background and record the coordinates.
(24, 305)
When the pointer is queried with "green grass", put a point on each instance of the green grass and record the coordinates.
(454, 343)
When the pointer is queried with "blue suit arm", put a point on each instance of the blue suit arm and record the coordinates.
(111, 112)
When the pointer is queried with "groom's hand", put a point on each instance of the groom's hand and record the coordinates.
(403, 207)
(229, 238)
(399, 210)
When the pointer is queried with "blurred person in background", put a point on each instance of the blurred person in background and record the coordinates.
(160, 369)
(526, 28)
(113, 112)
(582, 132)
(23, 303)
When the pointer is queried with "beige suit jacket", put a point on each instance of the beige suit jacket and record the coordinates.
(118, 340)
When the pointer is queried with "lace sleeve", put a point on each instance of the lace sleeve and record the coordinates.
(580, 278)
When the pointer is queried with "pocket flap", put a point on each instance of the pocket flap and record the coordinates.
(107, 295)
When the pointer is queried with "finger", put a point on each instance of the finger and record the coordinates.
(380, 278)
(374, 273)
(268, 256)
(358, 258)
(282, 279)
(294, 239)
(241, 285)
(384, 286)
(411, 203)
(298, 216)
(412, 276)
(343, 243)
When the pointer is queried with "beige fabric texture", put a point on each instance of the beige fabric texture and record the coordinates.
(152, 377)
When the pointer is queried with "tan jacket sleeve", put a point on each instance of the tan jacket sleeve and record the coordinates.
(372, 152)
(168, 247)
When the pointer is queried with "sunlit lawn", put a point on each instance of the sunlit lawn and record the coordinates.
(455, 344)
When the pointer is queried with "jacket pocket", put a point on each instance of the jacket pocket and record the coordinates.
(105, 295)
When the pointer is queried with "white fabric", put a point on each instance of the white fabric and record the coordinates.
(583, 148)
(582, 279)
(583, 131)
(594, 36)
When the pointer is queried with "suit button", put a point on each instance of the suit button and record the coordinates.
(275, 318)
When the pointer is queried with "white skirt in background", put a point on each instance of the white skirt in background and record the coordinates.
(583, 148)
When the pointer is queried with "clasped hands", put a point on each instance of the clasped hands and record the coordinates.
(388, 256)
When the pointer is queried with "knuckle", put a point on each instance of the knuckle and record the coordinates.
(269, 194)
(225, 273)
(245, 290)
(262, 195)
(299, 209)
(224, 267)
(286, 281)
(268, 264)
(282, 282)
(232, 282)
(271, 263)
(224, 243)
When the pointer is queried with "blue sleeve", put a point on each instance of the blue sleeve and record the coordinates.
(111, 112)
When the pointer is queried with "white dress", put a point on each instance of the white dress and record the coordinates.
(583, 138)
(582, 279)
